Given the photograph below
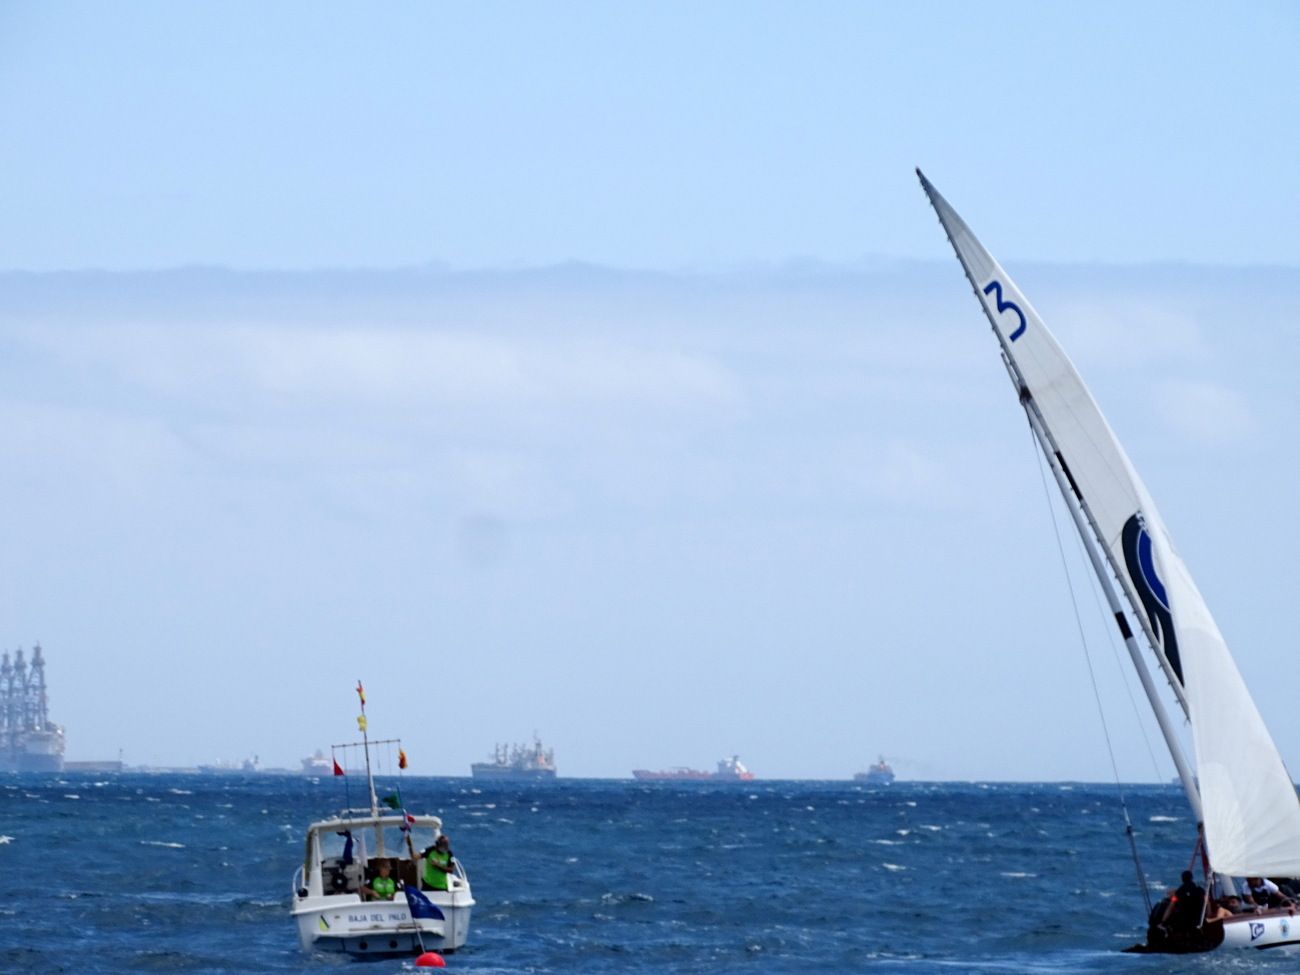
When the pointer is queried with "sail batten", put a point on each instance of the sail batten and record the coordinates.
(1248, 802)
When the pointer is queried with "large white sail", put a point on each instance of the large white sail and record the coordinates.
(1251, 812)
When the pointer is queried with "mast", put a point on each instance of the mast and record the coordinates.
(370, 778)
(1087, 533)
(365, 742)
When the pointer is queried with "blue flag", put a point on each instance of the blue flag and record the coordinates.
(421, 906)
(347, 846)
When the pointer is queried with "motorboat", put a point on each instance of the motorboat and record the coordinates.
(360, 889)
(343, 855)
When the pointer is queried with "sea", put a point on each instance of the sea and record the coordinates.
(176, 873)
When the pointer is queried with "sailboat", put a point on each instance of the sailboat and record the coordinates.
(1243, 798)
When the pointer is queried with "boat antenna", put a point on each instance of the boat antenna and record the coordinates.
(365, 741)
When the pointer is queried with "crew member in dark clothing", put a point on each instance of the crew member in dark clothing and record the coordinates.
(1186, 905)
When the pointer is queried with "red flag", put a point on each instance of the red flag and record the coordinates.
(401, 758)
(338, 769)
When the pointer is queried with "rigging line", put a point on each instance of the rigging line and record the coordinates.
(1078, 620)
(1092, 677)
(1124, 675)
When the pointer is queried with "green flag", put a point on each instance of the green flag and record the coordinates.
(393, 801)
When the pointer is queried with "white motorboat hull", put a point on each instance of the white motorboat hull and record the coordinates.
(345, 924)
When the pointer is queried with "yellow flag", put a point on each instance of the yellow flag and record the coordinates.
(361, 722)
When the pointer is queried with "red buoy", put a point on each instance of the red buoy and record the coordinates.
(430, 959)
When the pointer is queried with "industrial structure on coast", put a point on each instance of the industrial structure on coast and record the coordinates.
(29, 740)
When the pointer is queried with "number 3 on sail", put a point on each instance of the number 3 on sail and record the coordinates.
(996, 287)
(1246, 809)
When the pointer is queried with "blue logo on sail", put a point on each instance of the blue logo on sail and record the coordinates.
(1139, 559)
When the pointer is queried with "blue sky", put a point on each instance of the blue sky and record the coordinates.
(681, 434)
(650, 135)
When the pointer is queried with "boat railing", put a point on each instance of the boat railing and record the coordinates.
(297, 881)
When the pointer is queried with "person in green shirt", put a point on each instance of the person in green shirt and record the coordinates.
(383, 887)
(439, 864)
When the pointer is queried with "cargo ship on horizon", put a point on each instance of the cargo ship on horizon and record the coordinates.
(729, 770)
(517, 763)
(318, 764)
(878, 774)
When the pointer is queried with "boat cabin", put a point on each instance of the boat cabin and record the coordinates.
(343, 855)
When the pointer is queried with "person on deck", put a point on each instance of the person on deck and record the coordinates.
(439, 864)
(1186, 904)
(1265, 893)
(1218, 911)
(1233, 903)
(383, 887)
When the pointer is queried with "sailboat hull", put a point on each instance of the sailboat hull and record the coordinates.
(1202, 939)
(1271, 930)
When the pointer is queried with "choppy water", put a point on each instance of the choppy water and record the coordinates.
(127, 874)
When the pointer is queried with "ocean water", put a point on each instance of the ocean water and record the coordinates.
(171, 873)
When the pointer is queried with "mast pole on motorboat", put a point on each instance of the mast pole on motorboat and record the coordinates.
(1100, 567)
(370, 778)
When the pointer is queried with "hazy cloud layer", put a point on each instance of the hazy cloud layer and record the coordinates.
(788, 512)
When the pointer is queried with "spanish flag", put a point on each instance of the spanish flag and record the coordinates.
(361, 693)
(401, 758)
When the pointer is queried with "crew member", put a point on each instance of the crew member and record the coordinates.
(439, 864)
(383, 887)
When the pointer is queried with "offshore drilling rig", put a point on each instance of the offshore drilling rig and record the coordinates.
(29, 740)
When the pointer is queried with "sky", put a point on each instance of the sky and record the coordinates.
(600, 371)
